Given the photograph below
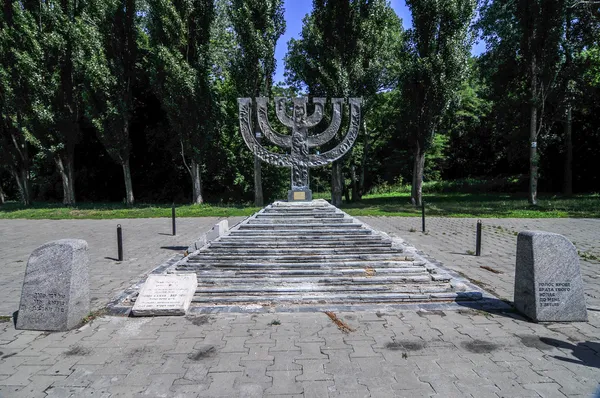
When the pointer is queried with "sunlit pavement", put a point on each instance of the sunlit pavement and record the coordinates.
(394, 353)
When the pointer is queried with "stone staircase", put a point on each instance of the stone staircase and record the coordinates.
(311, 254)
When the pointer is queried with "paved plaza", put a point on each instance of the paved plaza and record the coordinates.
(460, 352)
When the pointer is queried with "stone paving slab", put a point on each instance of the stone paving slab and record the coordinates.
(147, 242)
(398, 357)
(390, 352)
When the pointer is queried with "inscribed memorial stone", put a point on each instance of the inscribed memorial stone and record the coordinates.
(56, 291)
(169, 294)
(548, 285)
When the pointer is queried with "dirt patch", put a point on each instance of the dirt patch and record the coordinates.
(430, 313)
(78, 350)
(203, 353)
(199, 320)
(405, 345)
(480, 346)
(471, 312)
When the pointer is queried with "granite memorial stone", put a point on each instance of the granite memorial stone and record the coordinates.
(548, 285)
(299, 141)
(56, 290)
(169, 294)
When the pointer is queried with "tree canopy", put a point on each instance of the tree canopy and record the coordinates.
(146, 90)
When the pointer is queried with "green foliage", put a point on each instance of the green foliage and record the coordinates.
(257, 24)
(438, 48)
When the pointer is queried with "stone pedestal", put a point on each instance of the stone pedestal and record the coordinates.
(548, 286)
(304, 195)
(56, 290)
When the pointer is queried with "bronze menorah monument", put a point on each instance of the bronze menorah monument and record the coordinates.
(299, 160)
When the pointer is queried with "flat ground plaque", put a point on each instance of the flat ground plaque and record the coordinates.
(165, 295)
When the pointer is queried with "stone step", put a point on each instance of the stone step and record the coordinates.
(311, 253)
(314, 288)
(331, 271)
(304, 239)
(266, 278)
(207, 255)
(219, 263)
(339, 298)
(345, 225)
(300, 221)
(304, 251)
(286, 244)
(302, 231)
(315, 215)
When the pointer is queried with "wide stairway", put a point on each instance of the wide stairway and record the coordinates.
(313, 254)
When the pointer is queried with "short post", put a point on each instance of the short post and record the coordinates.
(423, 213)
(173, 217)
(119, 242)
(478, 239)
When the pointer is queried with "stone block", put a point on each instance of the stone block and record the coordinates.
(56, 290)
(165, 295)
(219, 229)
(548, 285)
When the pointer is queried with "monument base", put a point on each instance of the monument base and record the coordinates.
(300, 195)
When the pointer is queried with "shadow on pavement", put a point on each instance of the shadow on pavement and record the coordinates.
(585, 352)
(493, 306)
(175, 248)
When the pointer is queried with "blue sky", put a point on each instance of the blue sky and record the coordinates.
(295, 10)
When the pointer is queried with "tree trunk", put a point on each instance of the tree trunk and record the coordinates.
(363, 165)
(196, 182)
(22, 178)
(417, 177)
(128, 184)
(2, 196)
(258, 191)
(533, 157)
(336, 183)
(355, 194)
(65, 168)
(568, 177)
(533, 161)
(568, 182)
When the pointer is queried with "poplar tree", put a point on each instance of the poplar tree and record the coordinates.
(179, 34)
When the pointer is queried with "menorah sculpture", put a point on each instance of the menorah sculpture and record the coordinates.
(299, 160)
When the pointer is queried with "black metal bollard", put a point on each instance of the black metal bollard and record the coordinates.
(423, 213)
(173, 217)
(478, 239)
(119, 242)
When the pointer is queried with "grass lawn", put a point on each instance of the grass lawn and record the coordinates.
(389, 204)
(478, 205)
(98, 211)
